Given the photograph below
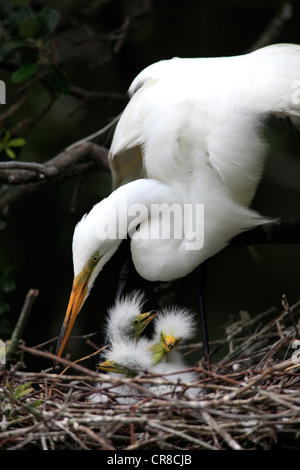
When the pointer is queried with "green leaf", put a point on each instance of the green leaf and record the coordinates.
(51, 19)
(17, 142)
(35, 404)
(30, 27)
(23, 390)
(6, 137)
(24, 72)
(10, 153)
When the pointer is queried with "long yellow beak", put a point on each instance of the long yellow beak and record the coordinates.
(77, 298)
(78, 294)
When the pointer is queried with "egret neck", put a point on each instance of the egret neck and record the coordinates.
(164, 225)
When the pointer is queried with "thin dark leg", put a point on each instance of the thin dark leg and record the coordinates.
(200, 276)
(124, 277)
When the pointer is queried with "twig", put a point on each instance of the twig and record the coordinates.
(95, 436)
(224, 434)
(275, 26)
(19, 328)
(85, 158)
(287, 307)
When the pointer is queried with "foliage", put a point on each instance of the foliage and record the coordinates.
(7, 144)
(26, 51)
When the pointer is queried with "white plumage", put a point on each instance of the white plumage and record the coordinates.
(172, 326)
(129, 358)
(125, 319)
(191, 134)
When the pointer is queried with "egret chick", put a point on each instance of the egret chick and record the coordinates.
(124, 358)
(171, 327)
(125, 320)
(129, 359)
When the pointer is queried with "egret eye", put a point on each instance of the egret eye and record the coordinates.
(95, 257)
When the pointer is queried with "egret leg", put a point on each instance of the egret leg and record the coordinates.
(124, 277)
(200, 276)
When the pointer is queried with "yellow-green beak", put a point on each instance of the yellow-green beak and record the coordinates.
(109, 366)
(169, 343)
(77, 298)
(141, 321)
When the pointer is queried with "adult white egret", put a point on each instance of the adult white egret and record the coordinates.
(191, 134)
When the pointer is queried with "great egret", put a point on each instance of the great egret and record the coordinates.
(189, 136)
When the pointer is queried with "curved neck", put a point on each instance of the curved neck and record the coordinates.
(130, 205)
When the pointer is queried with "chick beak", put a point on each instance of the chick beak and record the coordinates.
(108, 366)
(147, 317)
(77, 297)
(169, 343)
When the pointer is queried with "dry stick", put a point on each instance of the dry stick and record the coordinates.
(224, 434)
(287, 308)
(19, 328)
(89, 373)
(173, 432)
(53, 357)
(269, 371)
(95, 436)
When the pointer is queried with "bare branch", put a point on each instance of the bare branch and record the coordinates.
(82, 159)
(275, 26)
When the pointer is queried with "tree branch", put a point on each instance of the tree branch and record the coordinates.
(273, 233)
(273, 29)
(83, 158)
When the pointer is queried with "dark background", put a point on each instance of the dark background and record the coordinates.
(36, 239)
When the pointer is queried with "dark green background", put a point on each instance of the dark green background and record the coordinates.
(36, 242)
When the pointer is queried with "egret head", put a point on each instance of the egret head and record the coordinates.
(91, 251)
(125, 319)
(172, 326)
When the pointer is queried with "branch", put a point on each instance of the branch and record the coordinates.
(19, 328)
(273, 29)
(82, 159)
(273, 233)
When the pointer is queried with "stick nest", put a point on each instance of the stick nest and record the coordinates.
(250, 399)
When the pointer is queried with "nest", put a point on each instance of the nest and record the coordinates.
(249, 399)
